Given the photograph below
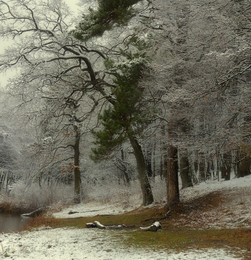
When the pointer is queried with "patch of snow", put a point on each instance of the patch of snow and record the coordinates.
(233, 211)
(210, 186)
(92, 209)
(79, 244)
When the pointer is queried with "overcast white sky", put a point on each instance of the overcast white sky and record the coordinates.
(77, 7)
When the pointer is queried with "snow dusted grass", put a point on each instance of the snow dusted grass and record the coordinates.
(79, 244)
(210, 186)
(189, 233)
(226, 204)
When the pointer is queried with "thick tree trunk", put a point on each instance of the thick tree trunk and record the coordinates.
(77, 175)
(185, 173)
(172, 177)
(142, 171)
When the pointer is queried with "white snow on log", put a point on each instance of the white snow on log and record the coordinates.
(90, 225)
(154, 227)
(99, 225)
(157, 224)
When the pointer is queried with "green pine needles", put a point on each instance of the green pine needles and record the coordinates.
(124, 117)
(110, 5)
(108, 13)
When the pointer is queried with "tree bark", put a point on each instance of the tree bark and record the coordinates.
(195, 174)
(123, 167)
(153, 158)
(149, 163)
(226, 166)
(164, 156)
(243, 162)
(172, 177)
(202, 169)
(185, 172)
(142, 171)
(77, 174)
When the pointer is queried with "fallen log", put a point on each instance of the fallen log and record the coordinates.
(99, 225)
(34, 213)
(117, 227)
(96, 224)
(154, 227)
(90, 225)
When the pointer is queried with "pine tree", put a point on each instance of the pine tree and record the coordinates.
(108, 13)
(122, 121)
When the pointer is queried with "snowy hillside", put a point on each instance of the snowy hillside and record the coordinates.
(233, 210)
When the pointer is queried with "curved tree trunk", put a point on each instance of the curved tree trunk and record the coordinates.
(142, 171)
(77, 175)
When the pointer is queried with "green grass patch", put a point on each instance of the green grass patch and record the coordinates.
(185, 239)
(180, 240)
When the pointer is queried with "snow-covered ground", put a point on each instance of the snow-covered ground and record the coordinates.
(240, 203)
(91, 244)
(210, 186)
(233, 209)
(92, 209)
(79, 244)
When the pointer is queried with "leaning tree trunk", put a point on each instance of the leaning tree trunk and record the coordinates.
(142, 171)
(172, 177)
(77, 175)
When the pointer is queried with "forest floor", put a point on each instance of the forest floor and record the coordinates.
(213, 221)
